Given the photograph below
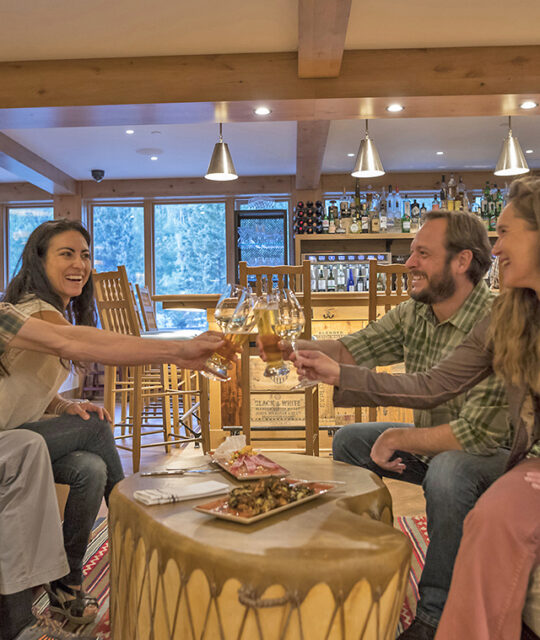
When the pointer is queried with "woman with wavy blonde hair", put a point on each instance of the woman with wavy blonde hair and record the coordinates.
(501, 535)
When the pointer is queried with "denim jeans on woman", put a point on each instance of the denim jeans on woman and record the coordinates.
(83, 456)
(452, 482)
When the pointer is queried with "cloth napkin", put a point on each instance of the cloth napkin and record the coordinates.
(186, 492)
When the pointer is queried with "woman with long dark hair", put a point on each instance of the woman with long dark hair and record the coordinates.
(54, 284)
(501, 536)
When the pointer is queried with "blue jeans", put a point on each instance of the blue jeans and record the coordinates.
(83, 456)
(452, 482)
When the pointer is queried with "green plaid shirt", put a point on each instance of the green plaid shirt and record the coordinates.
(411, 333)
(11, 321)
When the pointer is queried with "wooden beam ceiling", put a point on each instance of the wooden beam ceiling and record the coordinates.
(28, 166)
(224, 79)
(311, 140)
(322, 27)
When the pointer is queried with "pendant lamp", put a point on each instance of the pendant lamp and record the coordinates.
(511, 161)
(368, 164)
(221, 166)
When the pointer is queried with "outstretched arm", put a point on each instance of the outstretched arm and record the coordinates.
(87, 344)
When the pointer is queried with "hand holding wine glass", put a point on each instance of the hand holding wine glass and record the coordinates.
(315, 367)
(235, 316)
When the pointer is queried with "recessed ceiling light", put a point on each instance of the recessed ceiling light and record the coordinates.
(351, 155)
(262, 111)
(440, 153)
(395, 107)
(528, 104)
(529, 151)
(153, 157)
(130, 132)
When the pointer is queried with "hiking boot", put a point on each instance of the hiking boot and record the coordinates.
(418, 631)
(48, 629)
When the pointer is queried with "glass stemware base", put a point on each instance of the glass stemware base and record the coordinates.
(277, 372)
(217, 369)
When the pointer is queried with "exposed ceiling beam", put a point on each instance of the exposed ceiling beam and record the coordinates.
(465, 71)
(311, 140)
(33, 169)
(322, 27)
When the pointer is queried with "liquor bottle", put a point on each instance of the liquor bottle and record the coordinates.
(461, 189)
(415, 216)
(406, 208)
(357, 195)
(443, 192)
(383, 217)
(331, 281)
(375, 221)
(486, 197)
(390, 199)
(435, 203)
(325, 222)
(492, 204)
(350, 281)
(406, 218)
(341, 282)
(313, 277)
(339, 226)
(321, 284)
(331, 219)
(361, 280)
(364, 220)
(499, 202)
(355, 227)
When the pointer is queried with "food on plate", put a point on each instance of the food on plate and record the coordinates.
(245, 460)
(266, 494)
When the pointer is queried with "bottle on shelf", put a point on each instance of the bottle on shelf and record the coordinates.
(415, 216)
(364, 220)
(355, 227)
(375, 221)
(383, 217)
(499, 200)
(332, 210)
(361, 279)
(350, 281)
(331, 281)
(357, 195)
(406, 217)
(341, 281)
(423, 211)
(321, 280)
(435, 203)
(443, 194)
(396, 222)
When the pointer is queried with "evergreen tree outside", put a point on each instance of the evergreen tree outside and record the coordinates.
(21, 223)
(190, 256)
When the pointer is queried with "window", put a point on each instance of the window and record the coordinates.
(21, 222)
(190, 256)
(118, 238)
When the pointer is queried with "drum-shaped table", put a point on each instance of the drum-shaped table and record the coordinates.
(333, 568)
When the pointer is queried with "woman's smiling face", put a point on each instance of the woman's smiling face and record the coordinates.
(67, 264)
(518, 248)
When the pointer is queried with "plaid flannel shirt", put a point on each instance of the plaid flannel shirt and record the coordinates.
(411, 333)
(11, 321)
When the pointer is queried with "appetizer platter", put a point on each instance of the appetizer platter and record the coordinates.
(263, 498)
(246, 464)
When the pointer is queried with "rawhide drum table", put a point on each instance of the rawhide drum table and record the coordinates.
(333, 568)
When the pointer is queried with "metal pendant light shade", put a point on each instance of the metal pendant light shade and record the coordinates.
(511, 161)
(368, 164)
(221, 166)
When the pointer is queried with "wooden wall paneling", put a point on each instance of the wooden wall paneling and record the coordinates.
(186, 187)
(32, 168)
(322, 27)
(311, 138)
(22, 192)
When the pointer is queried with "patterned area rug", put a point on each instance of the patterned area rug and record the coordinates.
(96, 572)
(415, 528)
(96, 583)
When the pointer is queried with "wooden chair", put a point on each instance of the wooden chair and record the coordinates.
(147, 308)
(387, 289)
(298, 279)
(137, 386)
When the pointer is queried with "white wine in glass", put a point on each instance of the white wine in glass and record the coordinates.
(268, 318)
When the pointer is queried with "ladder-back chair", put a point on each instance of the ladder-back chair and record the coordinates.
(387, 288)
(147, 308)
(298, 279)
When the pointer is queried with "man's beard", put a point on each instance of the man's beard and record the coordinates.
(438, 288)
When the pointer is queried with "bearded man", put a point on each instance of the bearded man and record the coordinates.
(457, 449)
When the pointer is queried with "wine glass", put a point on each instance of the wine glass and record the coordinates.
(269, 311)
(235, 316)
